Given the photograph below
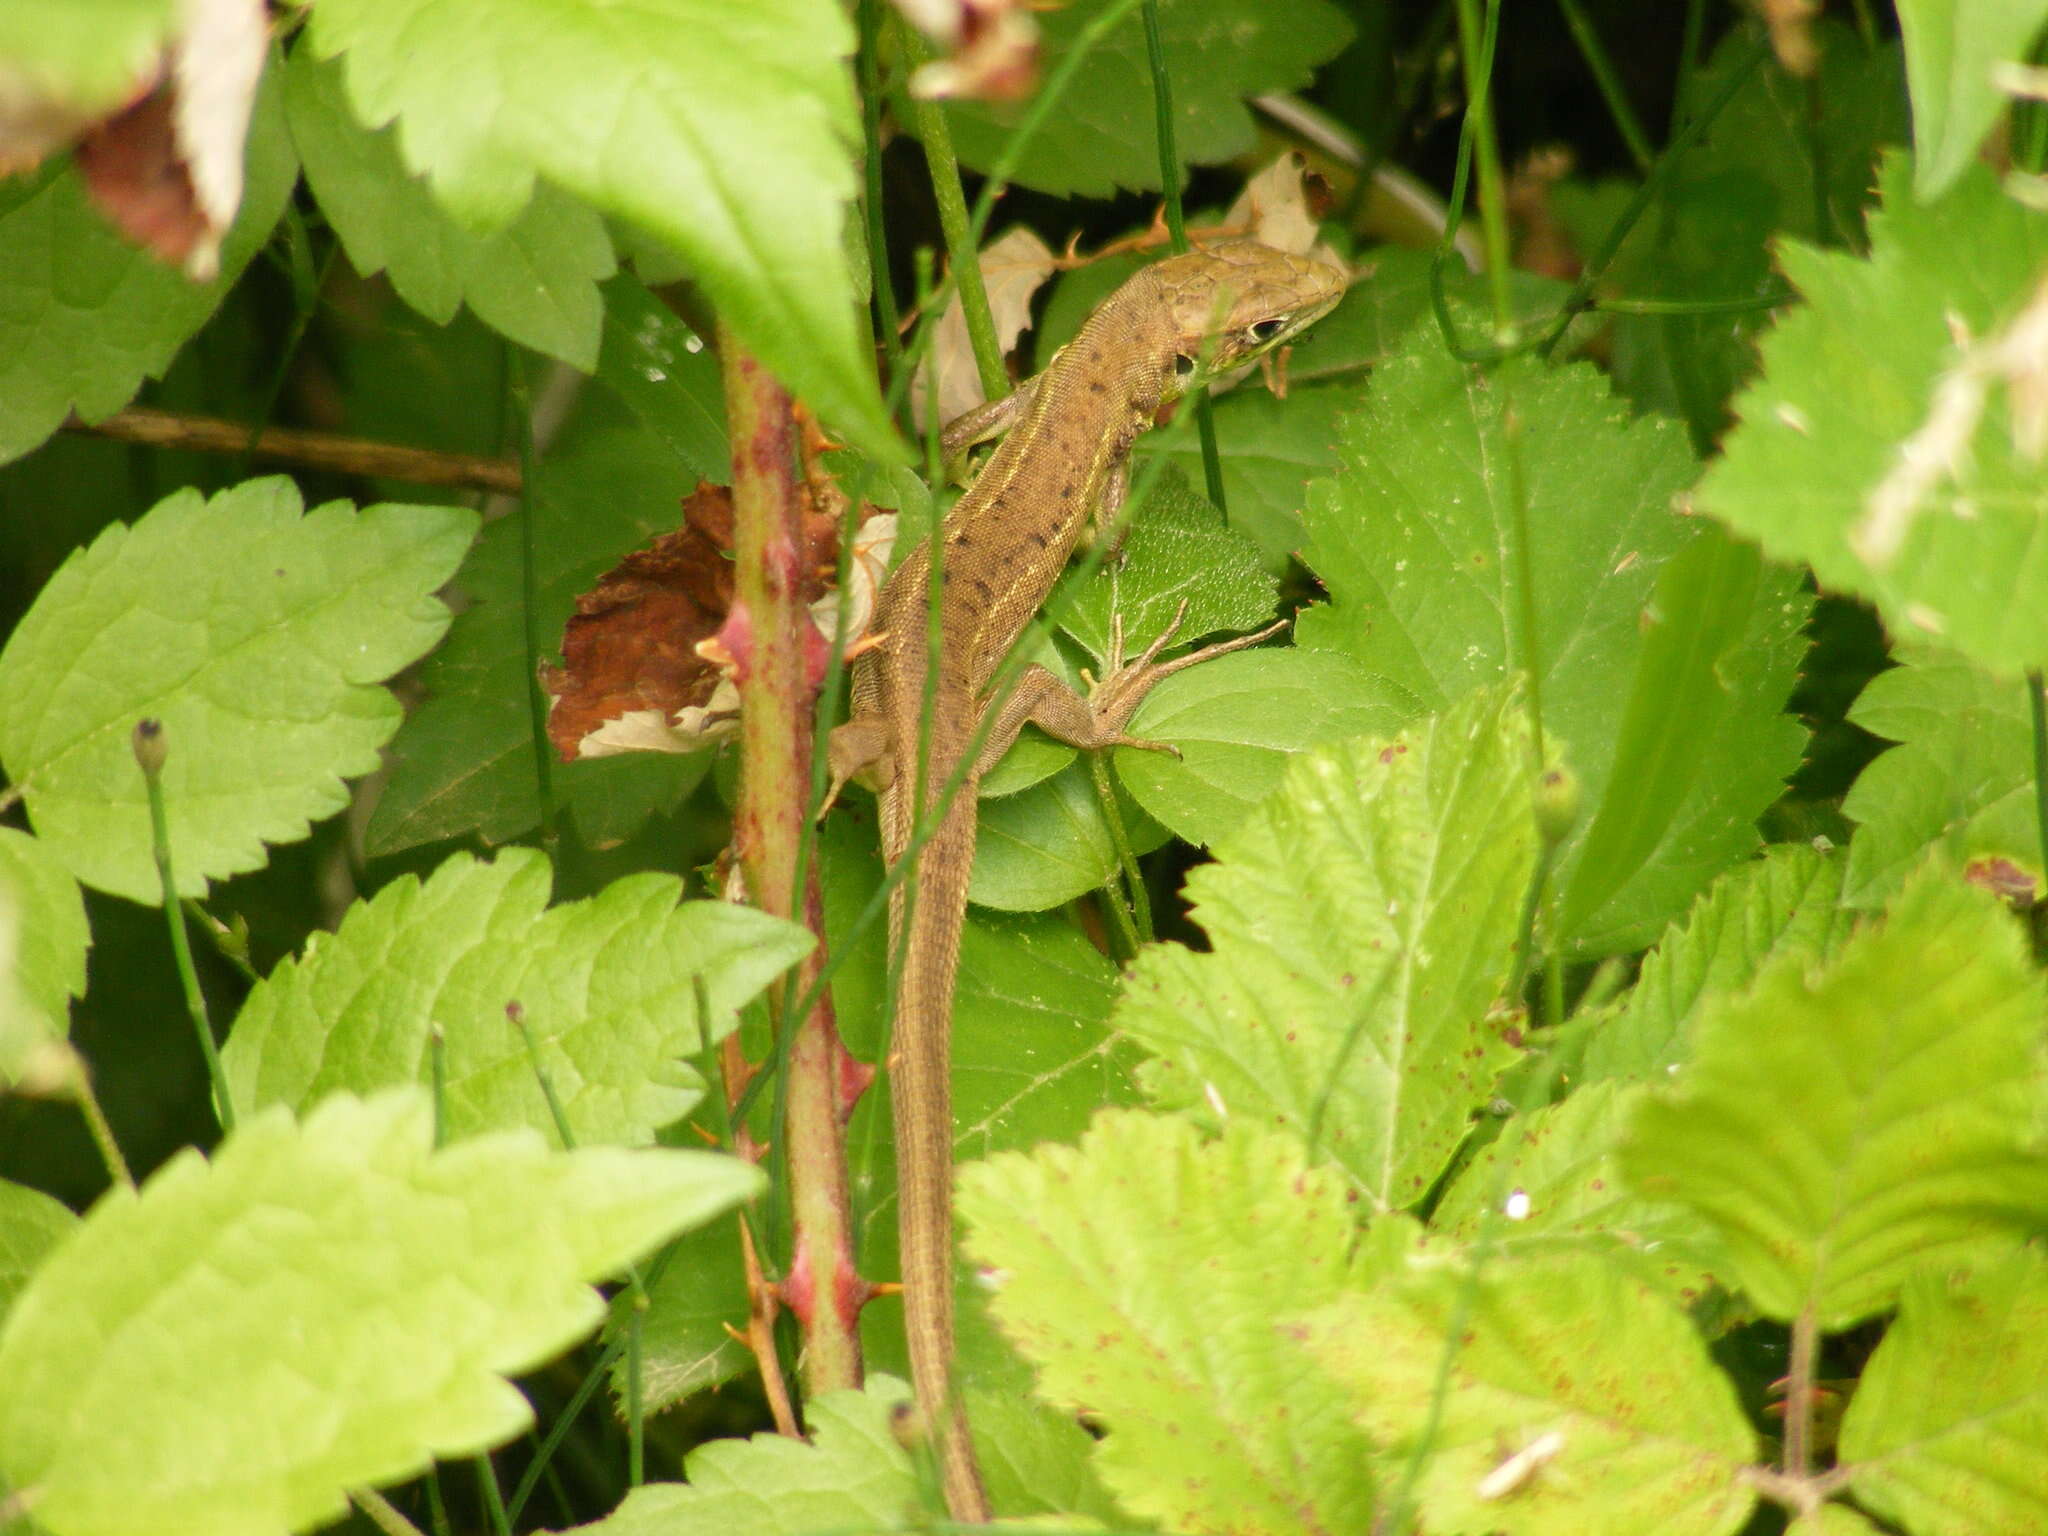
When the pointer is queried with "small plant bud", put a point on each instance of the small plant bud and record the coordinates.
(1557, 804)
(150, 747)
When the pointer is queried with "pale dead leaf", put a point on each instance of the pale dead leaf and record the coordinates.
(990, 48)
(1013, 269)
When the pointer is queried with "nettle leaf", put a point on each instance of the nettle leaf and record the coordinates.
(1952, 49)
(335, 1301)
(31, 1225)
(1209, 1422)
(534, 280)
(89, 315)
(1946, 1427)
(725, 131)
(1361, 926)
(1104, 136)
(1596, 1381)
(1961, 778)
(465, 756)
(1844, 1125)
(1556, 1176)
(257, 635)
(1878, 445)
(1414, 539)
(851, 1474)
(1786, 903)
(49, 956)
(608, 987)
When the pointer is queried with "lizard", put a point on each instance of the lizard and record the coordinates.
(1063, 465)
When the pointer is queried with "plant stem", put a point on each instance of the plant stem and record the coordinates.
(150, 751)
(2037, 699)
(963, 256)
(887, 322)
(1799, 1397)
(1123, 904)
(382, 1513)
(1625, 120)
(1477, 40)
(308, 450)
(96, 1123)
(770, 556)
(520, 400)
(492, 1496)
(1177, 227)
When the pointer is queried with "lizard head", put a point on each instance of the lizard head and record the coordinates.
(1233, 301)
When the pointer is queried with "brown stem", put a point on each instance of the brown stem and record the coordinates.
(1799, 1397)
(307, 450)
(771, 631)
(762, 1304)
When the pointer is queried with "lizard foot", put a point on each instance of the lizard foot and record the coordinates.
(1124, 685)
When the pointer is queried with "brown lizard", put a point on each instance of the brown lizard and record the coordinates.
(1064, 463)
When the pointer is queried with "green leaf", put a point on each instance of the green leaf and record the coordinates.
(1952, 47)
(31, 1225)
(258, 637)
(1049, 844)
(534, 280)
(1103, 135)
(1844, 1126)
(1361, 925)
(1569, 1356)
(1236, 721)
(1177, 551)
(1961, 778)
(1272, 450)
(336, 1301)
(664, 374)
(1703, 745)
(1788, 154)
(1568, 1196)
(1877, 446)
(465, 756)
(852, 1474)
(1414, 537)
(49, 962)
(90, 54)
(725, 131)
(608, 987)
(89, 315)
(1945, 1431)
(1209, 1422)
(1785, 904)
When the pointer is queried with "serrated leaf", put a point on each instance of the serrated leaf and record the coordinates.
(1862, 450)
(1703, 744)
(89, 316)
(1556, 1174)
(465, 757)
(1361, 924)
(49, 956)
(1961, 778)
(1638, 1430)
(664, 374)
(534, 280)
(725, 131)
(1844, 1125)
(852, 1474)
(31, 1225)
(1104, 136)
(1236, 721)
(1209, 1422)
(257, 636)
(1952, 49)
(1414, 537)
(1177, 551)
(89, 54)
(335, 1301)
(1945, 1431)
(608, 986)
(1785, 904)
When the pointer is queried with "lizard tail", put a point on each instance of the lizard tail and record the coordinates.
(920, 1088)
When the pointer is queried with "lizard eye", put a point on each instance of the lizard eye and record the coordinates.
(1266, 330)
(1183, 365)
